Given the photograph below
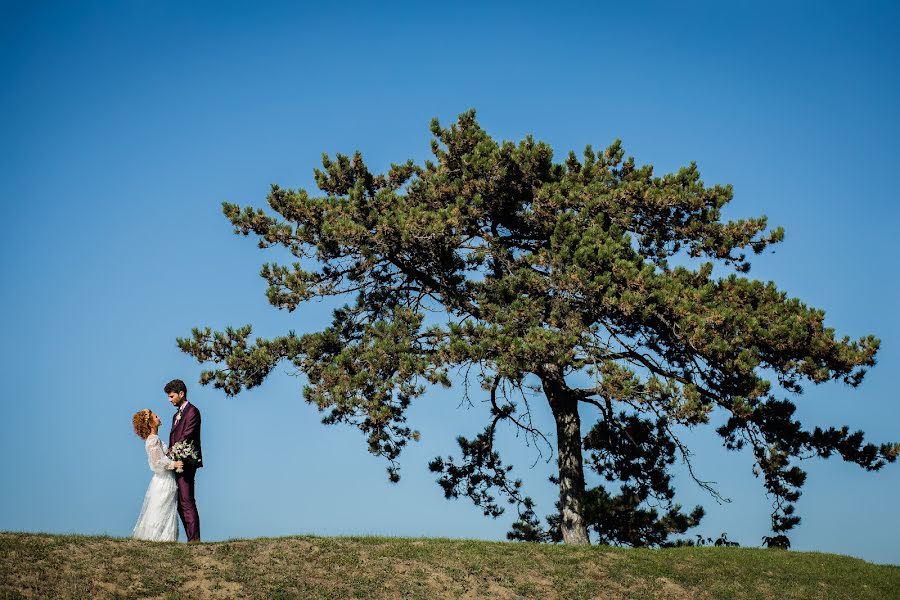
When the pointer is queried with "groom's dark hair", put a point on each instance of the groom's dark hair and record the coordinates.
(176, 385)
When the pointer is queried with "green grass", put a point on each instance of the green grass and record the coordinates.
(68, 566)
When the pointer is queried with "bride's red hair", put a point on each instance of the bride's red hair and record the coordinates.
(141, 422)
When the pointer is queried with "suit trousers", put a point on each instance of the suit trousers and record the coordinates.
(187, 505)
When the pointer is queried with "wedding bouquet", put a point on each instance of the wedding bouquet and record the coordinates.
(183, 450)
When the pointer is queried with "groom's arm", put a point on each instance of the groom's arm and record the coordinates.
(191, 423)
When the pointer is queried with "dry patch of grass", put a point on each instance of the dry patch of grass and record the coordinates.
(48, 566)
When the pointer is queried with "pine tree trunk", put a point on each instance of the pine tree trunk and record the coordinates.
(571, 468)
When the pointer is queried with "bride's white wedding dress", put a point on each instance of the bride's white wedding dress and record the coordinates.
(159, 515)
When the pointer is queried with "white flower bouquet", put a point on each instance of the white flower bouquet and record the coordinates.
(183, 450)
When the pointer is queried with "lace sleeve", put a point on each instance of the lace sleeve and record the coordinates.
(159, 462)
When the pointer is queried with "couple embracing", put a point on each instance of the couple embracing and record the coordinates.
(174, 467)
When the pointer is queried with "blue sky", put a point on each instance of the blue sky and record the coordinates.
(125, 125)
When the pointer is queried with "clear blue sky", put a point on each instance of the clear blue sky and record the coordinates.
(125, 125)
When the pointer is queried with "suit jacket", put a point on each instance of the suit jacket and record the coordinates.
(188, 428)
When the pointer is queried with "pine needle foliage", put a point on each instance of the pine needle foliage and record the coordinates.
(544, 273)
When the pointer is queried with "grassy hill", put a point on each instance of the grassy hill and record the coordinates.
(66, 566)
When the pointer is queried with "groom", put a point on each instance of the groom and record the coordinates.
(186, 427)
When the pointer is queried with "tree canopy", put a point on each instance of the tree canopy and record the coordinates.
(585, 282)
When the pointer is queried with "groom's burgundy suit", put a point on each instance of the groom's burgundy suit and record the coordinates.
(187, 428)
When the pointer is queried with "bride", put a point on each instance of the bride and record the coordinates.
(158, 521)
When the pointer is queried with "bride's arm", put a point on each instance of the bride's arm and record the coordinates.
(159, 462)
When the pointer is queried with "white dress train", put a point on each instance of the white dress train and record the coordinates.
(158, 521)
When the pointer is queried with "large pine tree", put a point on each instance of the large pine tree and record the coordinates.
(542, 274)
